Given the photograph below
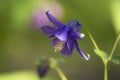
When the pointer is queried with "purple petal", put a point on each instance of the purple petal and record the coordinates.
(71, 44)
(75, 35)
(54, 41)
(62, 33)
(78, 26)
(66, 51)
(81, 53)
(70, 23)
(54, 20)
(68, 47)
(48, 30)
(78, 35)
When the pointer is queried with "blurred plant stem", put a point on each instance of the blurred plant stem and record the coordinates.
(96, 46)
(104, 57)
(114, 46)
(61, 74)
(110, 57)
(54, 65)
(105, 72)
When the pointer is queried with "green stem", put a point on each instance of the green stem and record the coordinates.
(61, 74)
(92, 39)
(105, 72)
(115, 44)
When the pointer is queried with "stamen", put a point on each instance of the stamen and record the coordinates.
(59, 46)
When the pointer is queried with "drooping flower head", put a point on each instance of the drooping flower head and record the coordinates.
(43, 67)
(65, 36)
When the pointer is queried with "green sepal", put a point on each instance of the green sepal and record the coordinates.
(115, 59)
(103, 55)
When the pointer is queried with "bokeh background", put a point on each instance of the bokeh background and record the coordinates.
(22, 41)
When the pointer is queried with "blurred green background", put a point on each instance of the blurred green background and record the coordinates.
(21, 41)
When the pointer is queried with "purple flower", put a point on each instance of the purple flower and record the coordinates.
(65, 36)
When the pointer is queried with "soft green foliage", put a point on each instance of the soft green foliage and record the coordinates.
(116, 59)
(103, 55)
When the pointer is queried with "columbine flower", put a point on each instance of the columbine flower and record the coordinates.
(65, 36)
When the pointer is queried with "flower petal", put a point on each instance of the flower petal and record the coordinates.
(68, 47)
(71, 44)
(73, 24)
(66, 51)
(48, 30)
(54, 41)
(81, 53)
(79, 35)
(70, 23)
(79, 26)
(74, 34)
(62, 33)
(54, 20)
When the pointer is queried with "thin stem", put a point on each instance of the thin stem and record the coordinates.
(105, 72)
(115, 44)
(61, 74)
(96, 46)
(92, 39)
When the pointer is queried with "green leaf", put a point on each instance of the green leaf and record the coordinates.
(103, 55)
(116, 59)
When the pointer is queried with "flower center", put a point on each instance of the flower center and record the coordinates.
(59, 46)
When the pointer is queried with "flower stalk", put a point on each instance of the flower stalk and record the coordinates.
(114, 46)
(61, 74)
(54, 65)
(92, 39)
(105, 72)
